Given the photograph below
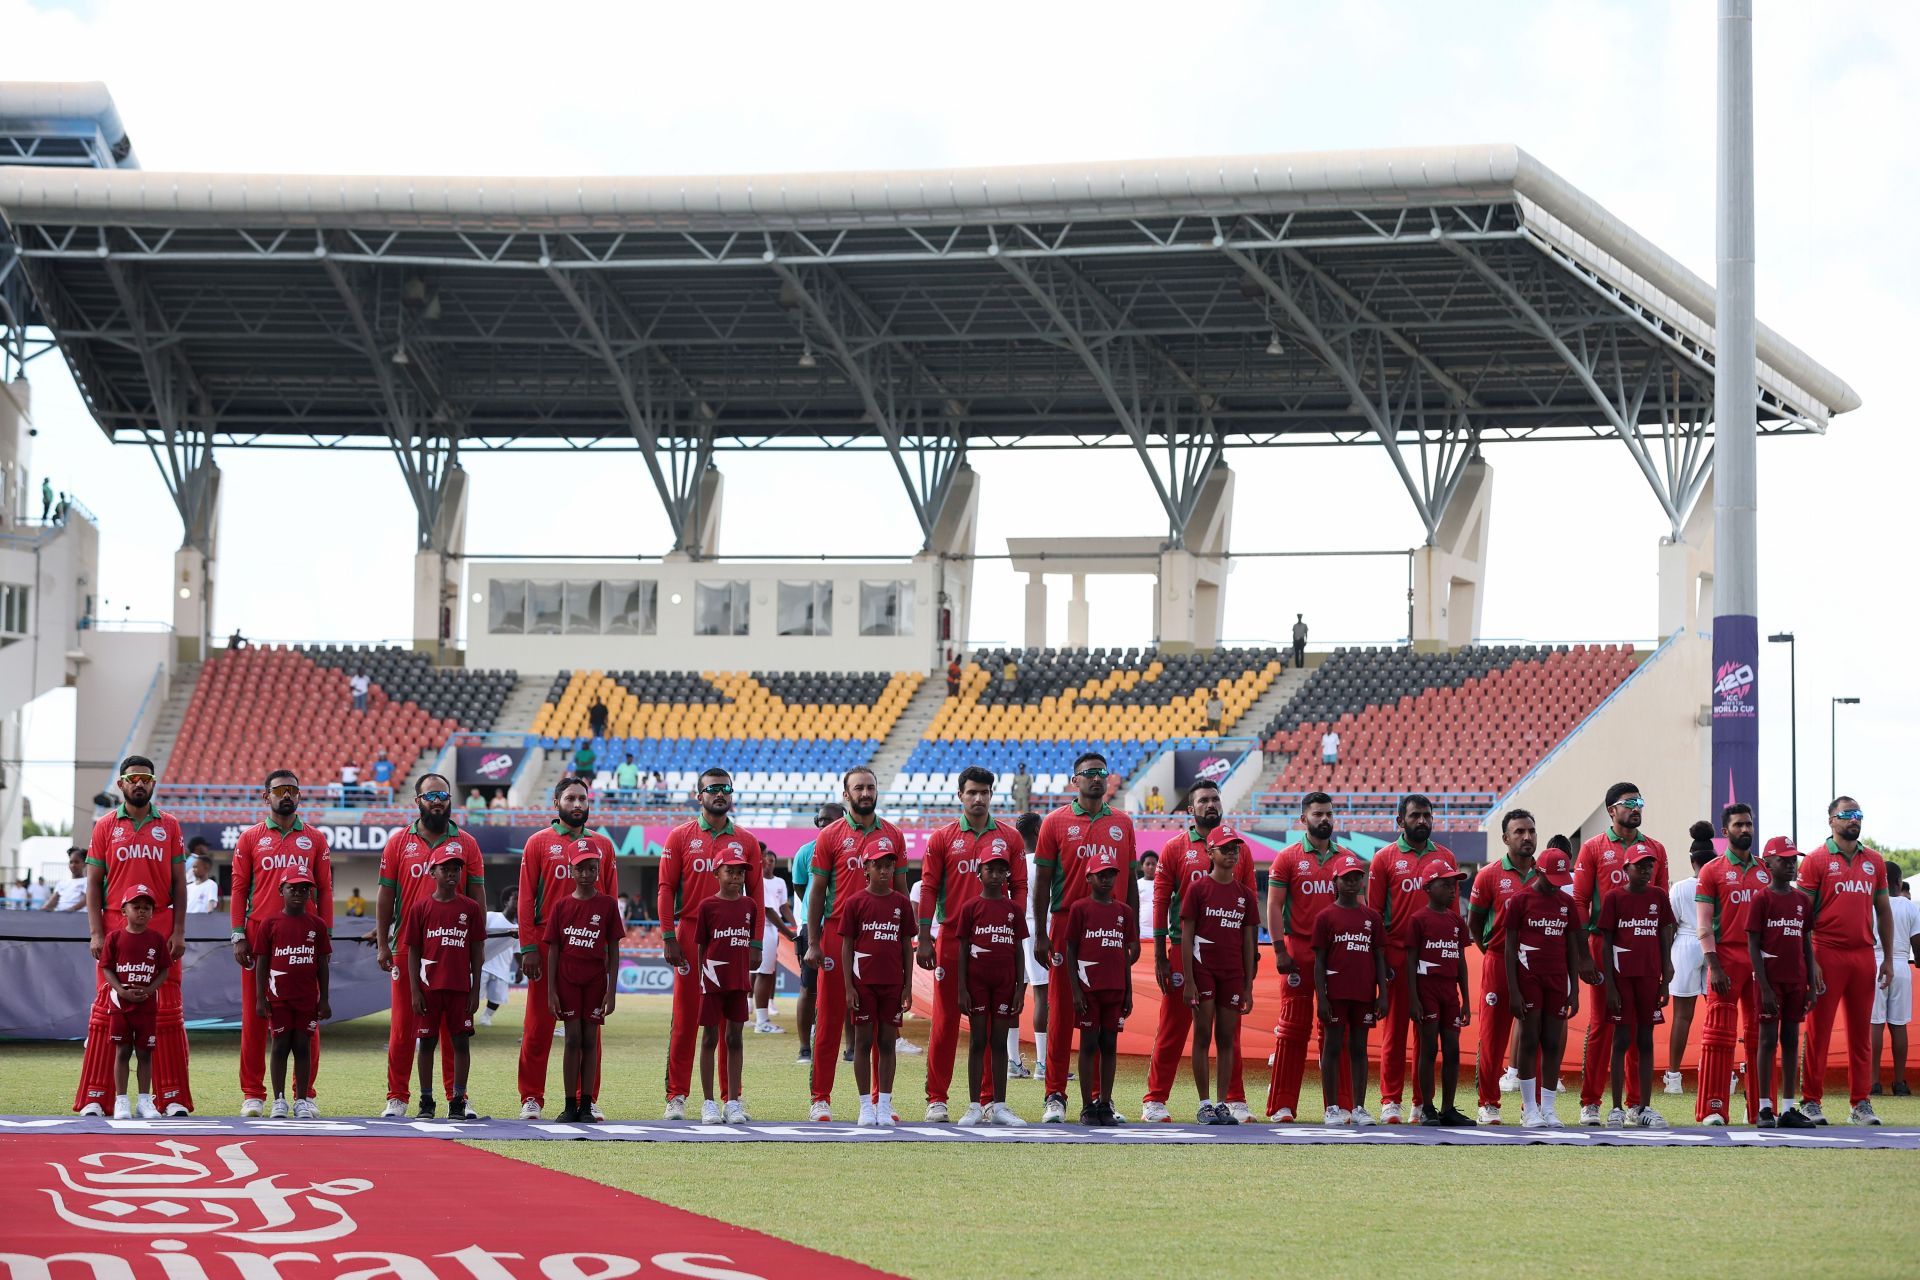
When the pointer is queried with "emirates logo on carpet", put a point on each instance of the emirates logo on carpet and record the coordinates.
(220, 1208)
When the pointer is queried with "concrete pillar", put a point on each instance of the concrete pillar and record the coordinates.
(708, 503)
(1449, 570)
(436, 571)
(193, 565)
(1190, 597)
(1077, 626)
(1036, 611)
(951, 549)
(18, 497)
(1686, 570)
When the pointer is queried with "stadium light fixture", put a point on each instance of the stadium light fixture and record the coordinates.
(806, 357)
(1273, 345)
(400, 354)
(1833, 743)
(1793, 720)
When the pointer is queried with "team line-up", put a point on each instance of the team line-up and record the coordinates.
(1004, 909)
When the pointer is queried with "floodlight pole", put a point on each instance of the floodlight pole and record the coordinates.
(1833, 744)
(1793, 713)
(1735, 696)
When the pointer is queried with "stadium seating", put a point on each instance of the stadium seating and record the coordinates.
(273, 707)
(1473, 720)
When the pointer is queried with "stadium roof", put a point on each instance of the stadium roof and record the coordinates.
(1421, 300)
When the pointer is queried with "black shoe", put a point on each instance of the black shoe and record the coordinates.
(1429, 1116)
(1901, 1090)
(1767, 1119)
(1113, 1119)
(847, 1056)
(1453, 1118)
(1793, 1118)
(1221, 1115)
(568, 1115)
(1090, 1115)
(457, 1107)
(1875, 1091)
(583, 1112)
(427, 1109)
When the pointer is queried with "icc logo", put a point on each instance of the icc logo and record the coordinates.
(1493, 999)
(302, 843)
(940, 973)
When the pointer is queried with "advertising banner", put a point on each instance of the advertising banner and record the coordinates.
(486, 766)
(1190, 767)
(1736, 712)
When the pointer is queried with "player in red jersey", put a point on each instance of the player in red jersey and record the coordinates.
(1496, 883)
(1184, 861)
(445, 943)
(406, 881)
(1070, 836)
(135, 843)
(1436, 981)
(949, 880)
(1848, 881)
(1636, 931)
(266, 854)
(1099, 940)
(582, 941)
(727, 937)
(546, 878)
(1543, 951)
(1394, 890)
(293, 949)
(1725, 894)
(1300, 883)
(992, 974)
(876, 957)
(840, 853)
(1219, 949)
(1780, 952)
(133, 960)
(689, 875)
(1349, 984)
(1602, 866)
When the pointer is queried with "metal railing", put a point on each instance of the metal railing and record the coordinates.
(1378, 810)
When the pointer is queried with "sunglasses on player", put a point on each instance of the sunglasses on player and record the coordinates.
(1631, 802)
(717, 789)
(137, 779)
(1095, 774)
(436, 797)
(1849, 815)
(284, 790)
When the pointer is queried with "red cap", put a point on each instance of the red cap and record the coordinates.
(1645, 855)
(1105, 860)
(1343, 862)
(1440, 869)
(1780, 847)
(137, 891)
(732, 854)
(448, 852)
(297, 876)
(1223, 835)
(995, 850)
(583, 851)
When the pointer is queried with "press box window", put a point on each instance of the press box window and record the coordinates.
(720, 609)
(806, 609)
(886, 608)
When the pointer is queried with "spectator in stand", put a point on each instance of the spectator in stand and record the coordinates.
(70, 894)
(1009, 674)
(356, 904)
(597, 717)
(659, 787)
(1299, 639)
(626, 781)
(476, 805)
(498, 818)
(38, 895)
(17, 894)
(349, 783)
(383, 770)
(1330, 747)
(359, 684)
(1149, 863)
(1216, 711)
(953, 674)
(203, 887)
(626, 908)
(1022, 787)
(583, 760)
(1156, 803)
(236, 641)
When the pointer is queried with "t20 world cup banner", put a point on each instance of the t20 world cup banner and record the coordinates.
(1736, 711)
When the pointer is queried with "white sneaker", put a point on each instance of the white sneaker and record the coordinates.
(1590, 1116)
(821, 1111)
(303, 1109)
(676, 1108)
(869, 1117)
(280, 1110)
(1055, 1112)
(1617, 1119)
(1671, 1082)
(396, 1109)
(735, 1112)
(1359, 1116)
(1714, 1120)
(1001, 1114)
(1862, 1113)
(122, 1107)
(144, 1108)
(1335, 1117)
(92, 1109)
(1155, 1113)
(906, 1046)
(484, 1018)
(709, 1112)
(252, 1108)
(937, 1112)
(1239, 1112)
(177, 1109)
(1510, 1080)
(974, 1114)
(771, 1029)
(1536, 1120)
(1489, 1115)
(593, 1109)
(1390, 1113)
(1651, 1119)
(529, 1109)
(1283, 1116)
(1812, 1111)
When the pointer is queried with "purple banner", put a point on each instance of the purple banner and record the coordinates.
(1190, 767)
(1736, 711)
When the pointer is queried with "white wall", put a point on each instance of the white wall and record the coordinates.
(675, 647)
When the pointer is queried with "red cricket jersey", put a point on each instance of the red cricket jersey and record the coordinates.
(1185, 860)
(1635, 920)
(135, 957)
(1781, 921)
(404, 869)
(878, 924)
(1436, 943)
(1100, 934)
(1349, 936)
(133, 853)
(1537, 921)
(287, 948)
(1492, 887)
(727, 936)
(1307, 880)
(1844, 893)
(950, 867)
(991, 929)
(1602, 865)
(840, 853)
(1394, 887)
(441, 938)
(546, 877)
(262, 859)
(581, 928)
(1070, 837)
(1216, 915)
(1733, 886)
(690, 867)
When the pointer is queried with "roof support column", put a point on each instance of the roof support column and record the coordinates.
(1449, 571)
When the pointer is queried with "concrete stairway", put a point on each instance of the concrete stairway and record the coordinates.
(166, 726)
(898, 745)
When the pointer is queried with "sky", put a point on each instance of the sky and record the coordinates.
(1617, 98)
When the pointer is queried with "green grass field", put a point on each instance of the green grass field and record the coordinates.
(928, 1210)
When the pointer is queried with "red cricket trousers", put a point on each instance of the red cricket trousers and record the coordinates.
(1850, 974)
(403, 1039)
(1173, 1041)
(683, 1028)
(1394, 1053)
(943, 1041)
(536, 1042)
(1737, 1012)
(829, 1013)
(1597, 1060)
(253, 1044)
(1296, 1027)
(1495, 1018)
(170, 1086)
